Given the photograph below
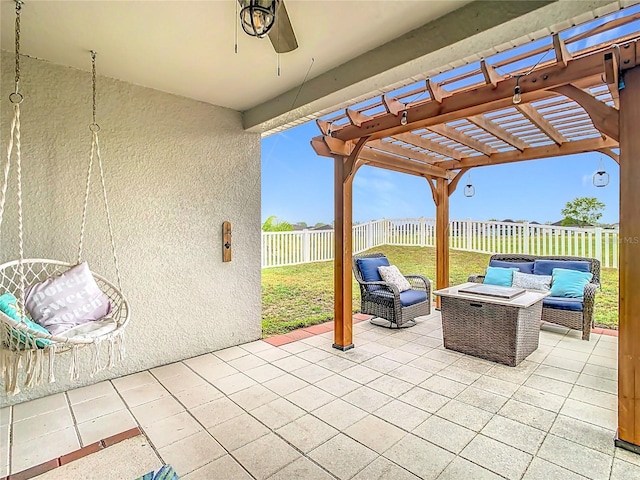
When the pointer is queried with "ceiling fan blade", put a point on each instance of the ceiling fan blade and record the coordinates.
(281, 34)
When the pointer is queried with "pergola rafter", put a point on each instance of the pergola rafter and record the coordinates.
(579, 99)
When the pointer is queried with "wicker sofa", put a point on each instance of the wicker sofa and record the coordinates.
(576, 314)
(384, 300)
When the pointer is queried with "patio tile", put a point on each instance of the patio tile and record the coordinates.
(231, 353)
(336, 363)
(375, 433)
(213, 413)
(279, 340)
(585, 434)
(461, 375)
(182, 382)
(313, 355)
(367, 399)
(277, 413)
(238, 431)
(602, 417)
(424, 399)
(401, 356)
(256, 346)
(465, 415)
(5, 416)
(299, 334)
(496, 385)
(307, 432)
(381, 364)
(587, 462)
(402, 415)
(285, 384)
(291, 363)
(312, 373)
(90, 392)
(444, 433)
(339, 414)
(170, 370)
(594, 397)
(443, 355)
(497, 457)
(414, 348)
(608, 362)
(420, 457)
(233, 383)
(443, 386)
(528, 414)
(191, 453)
(549, 385)
(557, 373)
(43, 448)
(134, 381)
(309, 398)
(567, 364)
(265, 456)
(105, 426)
(143, 394)
(540, 468)
(302, 468)
(223, 468)
(343, 456)
(482, 399)
(624, 471)
(34, 427)
(562, 352)
(512, 375)
(202, 363)
(538, 398)
(273, 354)
(516, 434)
(32, 408)
(361, 374)
(242, 364)
(627, 456)
(460, 468)
(199, 395)
(295, 347)
(253, 397)
(356, 355)
(97, 407)
(337, 385)
(473, 364)
(157, 410)
(171, 429)
(373, 346)
(597, 383)
(391, 386)
(264, 373)
(410, 374)
(383, 469)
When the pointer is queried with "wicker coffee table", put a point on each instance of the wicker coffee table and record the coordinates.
(501, 330)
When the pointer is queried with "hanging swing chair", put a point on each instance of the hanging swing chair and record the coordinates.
(27, 346)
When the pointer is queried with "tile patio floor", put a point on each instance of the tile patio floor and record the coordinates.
(399, 406)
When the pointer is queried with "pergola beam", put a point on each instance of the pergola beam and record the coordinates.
(402, 151)
(611, 77)
(409, 166)
(498, 132)
(491, 76)
(460, 137)
(427, 144)
(539, 121)
(562, 54)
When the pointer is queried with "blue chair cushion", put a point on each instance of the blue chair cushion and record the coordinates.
(369, 268)
(569, 283)
(545, 267)
(499, 276)
(563, 303)
(411, 297)
(524, 267)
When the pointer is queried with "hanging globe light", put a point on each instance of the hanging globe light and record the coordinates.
(258, 16)
(601, 177)
(469, 189)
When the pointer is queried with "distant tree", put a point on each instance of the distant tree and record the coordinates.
(272, 224)
(302, 224)
(319, 224)
(582, 211)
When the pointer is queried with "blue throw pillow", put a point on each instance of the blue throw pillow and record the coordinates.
(524, 267)
(499, 276)
(9, 306)
(545, 267)
(569, 283)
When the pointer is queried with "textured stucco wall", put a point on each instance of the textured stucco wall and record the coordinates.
(176, 169)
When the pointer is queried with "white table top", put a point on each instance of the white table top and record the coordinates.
(525, 300)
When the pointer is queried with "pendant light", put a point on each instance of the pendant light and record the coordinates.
(601, 177)
(469, 189)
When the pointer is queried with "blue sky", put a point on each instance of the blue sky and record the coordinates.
(297, 186)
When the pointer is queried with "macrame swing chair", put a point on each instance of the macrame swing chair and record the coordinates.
(27, 350)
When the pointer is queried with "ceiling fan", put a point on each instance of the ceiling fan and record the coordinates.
(260, 18)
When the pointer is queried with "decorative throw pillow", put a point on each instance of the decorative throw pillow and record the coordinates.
(499, 276)
(569, 283)
(9, 306)
(65, 301)
(530, 281)
(391, 274)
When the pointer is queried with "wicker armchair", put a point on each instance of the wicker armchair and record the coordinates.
(576, 320)
(384, 300)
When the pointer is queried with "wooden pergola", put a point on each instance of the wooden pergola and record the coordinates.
(579, 102)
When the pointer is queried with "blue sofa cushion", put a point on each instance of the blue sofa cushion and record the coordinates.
(369, 268)
(411, 297)
(563, 303)
(524, 267)
(499, 276)
(545, 267)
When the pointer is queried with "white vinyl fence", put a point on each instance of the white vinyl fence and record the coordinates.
(292, 248)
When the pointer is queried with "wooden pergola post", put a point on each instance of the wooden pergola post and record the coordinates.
(442, 234)
(629, 268)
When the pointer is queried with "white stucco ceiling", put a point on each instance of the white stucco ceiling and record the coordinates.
(186, 47)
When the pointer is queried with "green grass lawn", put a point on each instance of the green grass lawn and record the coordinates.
(302, 295)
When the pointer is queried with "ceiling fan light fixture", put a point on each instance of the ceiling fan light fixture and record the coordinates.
(258, 16)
